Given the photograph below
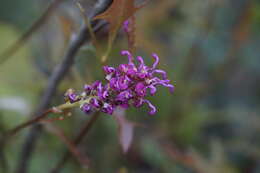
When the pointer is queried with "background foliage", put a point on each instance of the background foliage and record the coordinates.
(209, 49)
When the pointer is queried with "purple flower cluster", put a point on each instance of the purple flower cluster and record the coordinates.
(126, 85)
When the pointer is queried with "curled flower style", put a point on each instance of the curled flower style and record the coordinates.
(127, 85)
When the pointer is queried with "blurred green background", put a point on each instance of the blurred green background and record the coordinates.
(210, 49)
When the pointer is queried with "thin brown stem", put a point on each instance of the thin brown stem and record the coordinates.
(71, 145)
(84, 131)
(28, 123)
(183, 158)
(4, 167)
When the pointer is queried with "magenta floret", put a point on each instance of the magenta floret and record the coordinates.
(126, 85)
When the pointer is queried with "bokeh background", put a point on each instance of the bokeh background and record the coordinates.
(211, 124)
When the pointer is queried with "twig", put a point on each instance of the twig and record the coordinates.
(84, 131)
(183, 158)
(26, 124)
(3, 161)
(61, 109)
(71, 145)
(55, 79)
(36, 25)
(92, 34)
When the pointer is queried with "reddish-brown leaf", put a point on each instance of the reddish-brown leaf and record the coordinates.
(116, 14)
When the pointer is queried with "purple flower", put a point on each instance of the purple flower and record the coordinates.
(152, 89)
(71, 96)
(107, 108)
(152, 107)
(128, 69)
(163, 73)
(102, 92)
(87, 89)
(124, 96)
(166, 83)
(138, 102)
(109, 70)
(86, 108)
(126, 85)
(140, 89)
(123, 82)
(94, 102)
(129, 56)
(156, 62)
(122, 99)
(97, 84)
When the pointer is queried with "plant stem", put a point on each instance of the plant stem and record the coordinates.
(84, 131)
(28, 123)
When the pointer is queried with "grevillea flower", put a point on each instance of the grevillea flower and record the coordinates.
(127, 85)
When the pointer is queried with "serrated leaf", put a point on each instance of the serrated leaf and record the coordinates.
(116, 14)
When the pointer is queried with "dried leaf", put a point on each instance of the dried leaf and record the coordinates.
(125, 130)
(116, 14)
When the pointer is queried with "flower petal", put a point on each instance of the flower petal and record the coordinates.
(86, 108)
(163, 73)
(152, 107)
(152, 89)
(140, 89)
(138, 102)
(156, 62)
(108, 69)
(95, 103)
(129, 55)
(107, 108)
